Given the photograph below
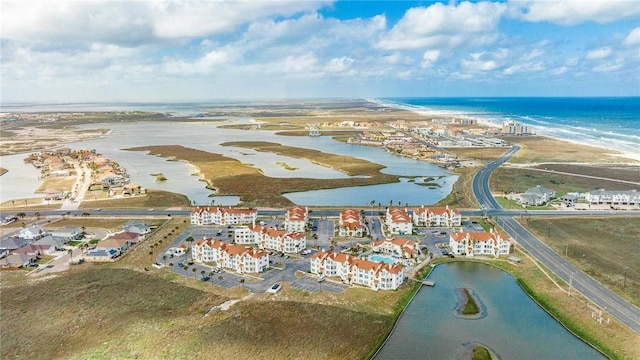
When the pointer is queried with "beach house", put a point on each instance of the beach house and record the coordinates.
(238, 258)
(33, 232)
(437, 216)
(222, 216)
(493, 243)
(613, 197)
(356, 271)
(398, 222)
(536, 196)
(350, 223)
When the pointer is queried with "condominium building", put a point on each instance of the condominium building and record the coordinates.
(437, 216)
(271, 239)
(480, 243)
(350, 223)
(222, 216)
(353, 270)
(238, 258)
(296, 218)
(398, 221)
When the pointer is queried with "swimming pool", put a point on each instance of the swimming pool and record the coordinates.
(378, 258)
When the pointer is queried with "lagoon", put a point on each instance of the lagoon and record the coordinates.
(207, 135)
(514, 327)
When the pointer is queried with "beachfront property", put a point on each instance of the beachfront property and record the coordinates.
(479, 243)
(33, 232)
(238, 258)
(515, 128)
(350, 223)
(137, 226)
(569, 200)
(613, 197)
(270, 238)
(398, 221)
(353, 270)
(398, 248)
(296, 218)
(536, 196)
(437, 216)
(223, 216)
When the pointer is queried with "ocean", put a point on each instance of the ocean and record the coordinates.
(611, 122)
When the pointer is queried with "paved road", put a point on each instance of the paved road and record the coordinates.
(602, 297)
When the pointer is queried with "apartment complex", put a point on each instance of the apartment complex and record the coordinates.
(398, 222)
(353, 270)
(437, 216)
(271, 239)
(222, 216)
(480, 243)
(239, 258)
(350, 223)
(399, 247)
(296, 219)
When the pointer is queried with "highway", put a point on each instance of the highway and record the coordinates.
(599, 295)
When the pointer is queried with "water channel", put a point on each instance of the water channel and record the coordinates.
(513, 326)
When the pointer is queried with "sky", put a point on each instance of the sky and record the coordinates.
(153, 51)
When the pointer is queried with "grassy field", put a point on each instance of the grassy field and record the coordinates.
(513, 204)
(63, 183)
(462, 194)
(626, 172)
(539, 149)
(105, 223)
(484, 153)
(604, 248)
(153, 199)
(231, 177)
(519, 180)
(615, 340)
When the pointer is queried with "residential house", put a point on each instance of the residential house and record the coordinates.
(53, 194)
(33, 232)
(132, 189)
(109, 180)
(100, 255)
(137, 226)
(537, 196)
(57, 242)
(437, 216)
(238, 258)
(613, 197)
(398, 222)
(480, 243)
(350, 223)
(223, 216)
(129, 236)
(120, 245)
(68, 232)
(569, 200)
(13, 243)
(35, 250)
(398, 247)
(17, 261)
(353, 270)
(296, 218)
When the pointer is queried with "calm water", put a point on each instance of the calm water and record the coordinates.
(514, 327)
(207, 136)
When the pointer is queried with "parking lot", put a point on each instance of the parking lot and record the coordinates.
(256, 283)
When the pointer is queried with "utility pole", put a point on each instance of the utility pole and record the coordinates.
(570, 283)
(566, 250)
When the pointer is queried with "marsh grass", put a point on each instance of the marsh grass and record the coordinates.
(231, 177)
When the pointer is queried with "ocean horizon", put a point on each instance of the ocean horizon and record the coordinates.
(608, 122)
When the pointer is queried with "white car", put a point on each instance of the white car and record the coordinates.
(274, 288)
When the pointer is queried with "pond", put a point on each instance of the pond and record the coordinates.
(513, 325)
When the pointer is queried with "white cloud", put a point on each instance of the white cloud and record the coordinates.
(610, 66)
(571, 12)
(429, 58)
(599, 53)
(442, 25)
(523, 67)
(205, 64)
(341, 64)
(633, 38)
(300, 64)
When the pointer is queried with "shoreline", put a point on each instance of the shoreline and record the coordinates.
(494, 124)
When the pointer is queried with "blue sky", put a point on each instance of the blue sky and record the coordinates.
(91, 51)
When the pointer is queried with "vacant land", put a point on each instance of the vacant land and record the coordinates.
(539, 149)
(605, 248)
(625, 173)
(231, 177)
(484, 153)
(462, 193)
(64, 183)
(152, 199)
(506, 180)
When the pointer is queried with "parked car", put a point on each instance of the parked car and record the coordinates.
(206, 278)
(180, 264)
(321, 278)
(274, 288)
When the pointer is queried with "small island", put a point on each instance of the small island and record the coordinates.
(160, 177)
(469, 306)
(286, 166)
